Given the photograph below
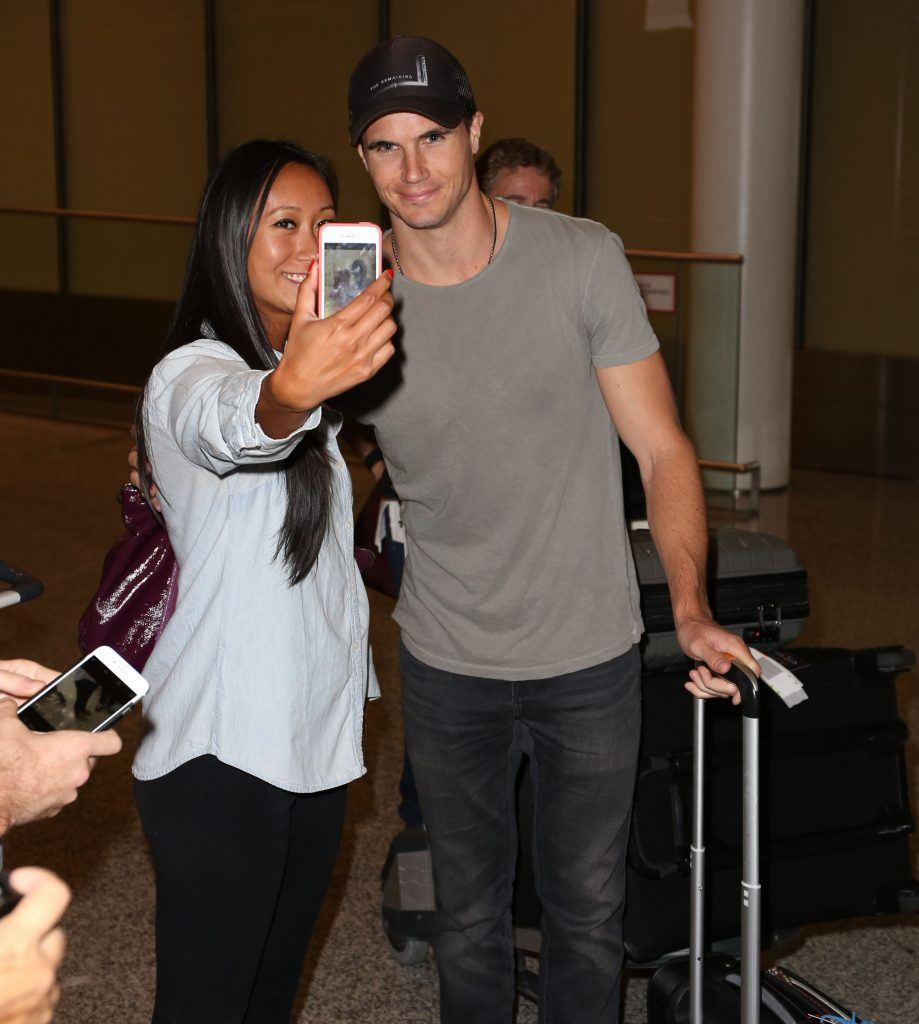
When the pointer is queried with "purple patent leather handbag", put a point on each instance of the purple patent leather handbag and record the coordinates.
(139, 585)
(138, 589)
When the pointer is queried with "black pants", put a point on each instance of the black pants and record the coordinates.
(242, 868)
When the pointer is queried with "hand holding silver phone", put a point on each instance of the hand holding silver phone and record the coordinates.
(91, 695)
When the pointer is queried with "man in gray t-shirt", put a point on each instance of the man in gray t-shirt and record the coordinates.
(500, 446)
(524, 352)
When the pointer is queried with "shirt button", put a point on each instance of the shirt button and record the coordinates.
(356, 646)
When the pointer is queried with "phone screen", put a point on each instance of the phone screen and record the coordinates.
(83, 698)
(349, 268)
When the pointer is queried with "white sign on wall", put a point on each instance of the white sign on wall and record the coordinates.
(658, 291)
(661, 15)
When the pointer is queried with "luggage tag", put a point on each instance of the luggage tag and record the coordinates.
(784, 683)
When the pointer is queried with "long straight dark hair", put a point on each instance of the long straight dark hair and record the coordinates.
(216, 296)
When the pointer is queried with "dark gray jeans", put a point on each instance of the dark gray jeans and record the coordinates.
(465, 737)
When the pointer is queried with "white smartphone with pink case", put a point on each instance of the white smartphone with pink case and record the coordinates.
(350, 258)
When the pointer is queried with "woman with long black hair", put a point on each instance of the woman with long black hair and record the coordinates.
(257, 684)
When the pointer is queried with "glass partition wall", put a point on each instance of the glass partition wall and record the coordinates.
(693, 303)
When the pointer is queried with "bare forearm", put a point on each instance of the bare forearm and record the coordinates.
(676, 515)
(641, 405)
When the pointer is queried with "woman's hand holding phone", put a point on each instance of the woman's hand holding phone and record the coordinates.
(324, 358)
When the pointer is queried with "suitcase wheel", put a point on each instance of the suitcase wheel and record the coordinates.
(884, 661)
(899, 898)
(408, 952)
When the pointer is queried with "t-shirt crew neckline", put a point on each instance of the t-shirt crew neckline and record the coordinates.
(481, 275)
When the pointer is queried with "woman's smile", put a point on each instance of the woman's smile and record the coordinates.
(298, 204)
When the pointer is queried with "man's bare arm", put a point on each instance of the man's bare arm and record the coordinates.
(641, 405)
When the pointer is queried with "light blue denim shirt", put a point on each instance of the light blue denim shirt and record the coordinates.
(269, 678)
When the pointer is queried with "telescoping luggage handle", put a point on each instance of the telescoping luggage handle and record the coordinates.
(748, 685)
(23, 587)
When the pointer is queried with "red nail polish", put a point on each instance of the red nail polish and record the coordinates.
(391, 272)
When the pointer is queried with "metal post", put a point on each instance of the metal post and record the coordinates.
(60, 159)
(385, 31)
(807, 88)
(750, 883)
(211, 110)
(679, 327)
(580, 108)
(697, 865)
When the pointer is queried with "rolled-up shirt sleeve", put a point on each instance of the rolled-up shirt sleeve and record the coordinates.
(206, 401)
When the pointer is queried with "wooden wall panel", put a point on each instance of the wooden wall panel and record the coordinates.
(283, 68)
(522, 67)
(639, 140)
(134, 121)
(28, 245)
(863, 197)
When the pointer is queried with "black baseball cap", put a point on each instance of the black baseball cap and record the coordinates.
(411, 74)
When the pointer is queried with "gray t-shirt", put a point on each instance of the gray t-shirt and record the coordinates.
(497, 439)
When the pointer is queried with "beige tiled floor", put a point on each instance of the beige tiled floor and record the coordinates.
(856, 536)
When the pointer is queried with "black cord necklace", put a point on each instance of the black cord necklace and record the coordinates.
(494, 238)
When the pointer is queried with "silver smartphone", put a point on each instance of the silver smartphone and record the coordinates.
(92, 695)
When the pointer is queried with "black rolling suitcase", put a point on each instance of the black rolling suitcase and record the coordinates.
(836, 824)
(836, 819)
(757, 588)
(721, 989)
